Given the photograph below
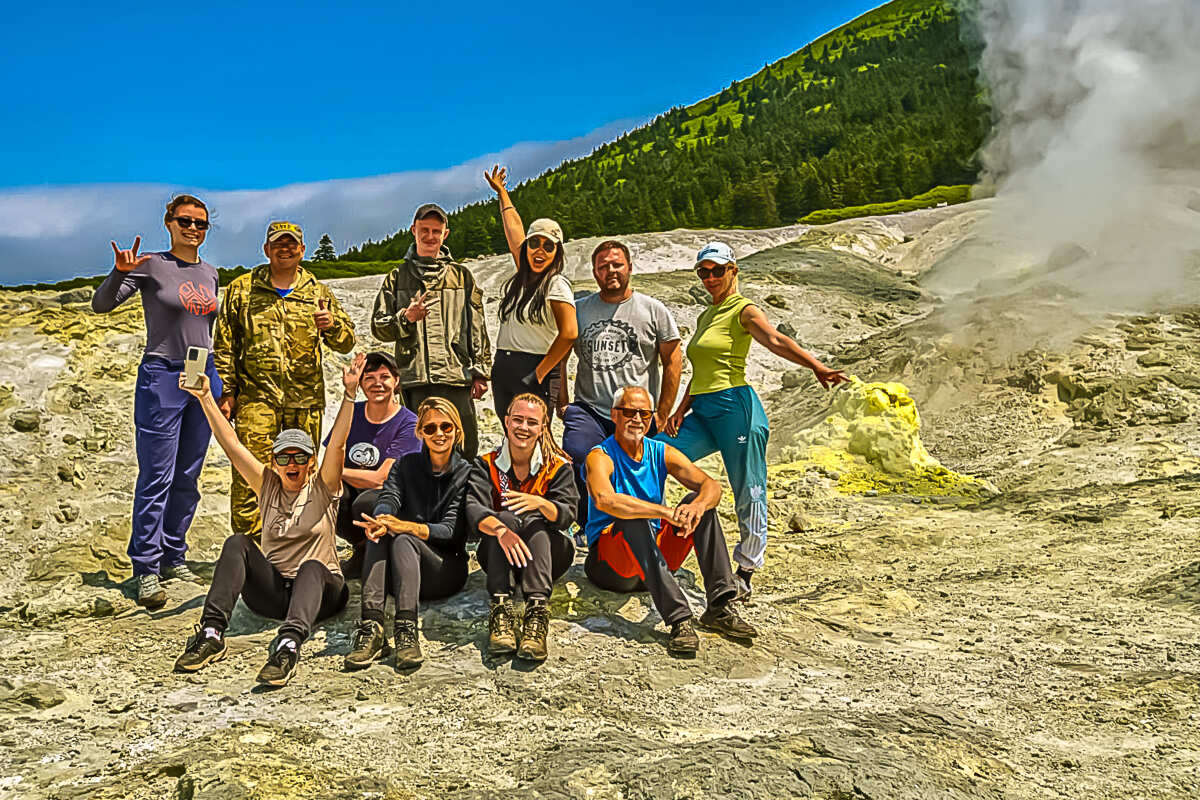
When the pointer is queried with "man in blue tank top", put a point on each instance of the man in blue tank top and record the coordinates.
(635, 542)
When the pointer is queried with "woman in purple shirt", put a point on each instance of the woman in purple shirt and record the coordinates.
(179, 298)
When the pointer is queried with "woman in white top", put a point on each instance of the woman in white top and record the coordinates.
(537, 309)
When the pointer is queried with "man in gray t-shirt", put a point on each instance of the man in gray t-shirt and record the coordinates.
(625, 339)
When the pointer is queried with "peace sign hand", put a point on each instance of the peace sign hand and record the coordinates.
(128, 260)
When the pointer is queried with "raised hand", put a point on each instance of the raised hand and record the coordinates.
(497, 178)
(418, 307)
(323, 316)
(352, 374)
(128, 260)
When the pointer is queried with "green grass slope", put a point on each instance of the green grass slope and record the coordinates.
(884, 108)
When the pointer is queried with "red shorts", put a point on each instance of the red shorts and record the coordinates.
(614, 550)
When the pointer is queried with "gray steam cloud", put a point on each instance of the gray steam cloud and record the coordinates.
(1094, 161)
(51, 233)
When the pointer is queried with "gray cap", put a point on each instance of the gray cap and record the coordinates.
(431, 208)
(293, 439)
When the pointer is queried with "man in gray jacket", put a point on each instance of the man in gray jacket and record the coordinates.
(431, 307)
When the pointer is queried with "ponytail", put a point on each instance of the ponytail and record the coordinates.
(549, 447)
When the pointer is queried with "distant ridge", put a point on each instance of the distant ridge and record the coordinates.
(882, 108)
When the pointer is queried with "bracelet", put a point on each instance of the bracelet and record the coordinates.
(347, 397)
(507, 208)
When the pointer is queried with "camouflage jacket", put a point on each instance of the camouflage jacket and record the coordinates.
(451, 344)
(267, 348)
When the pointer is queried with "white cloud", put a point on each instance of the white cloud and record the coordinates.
(55, 232)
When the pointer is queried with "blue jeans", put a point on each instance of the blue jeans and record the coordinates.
(172, 437)
(733, 423)
(583, 429)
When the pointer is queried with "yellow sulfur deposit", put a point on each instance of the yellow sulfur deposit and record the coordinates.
(872, 440)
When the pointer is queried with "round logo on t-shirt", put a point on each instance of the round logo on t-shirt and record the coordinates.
(364, 454)
(609, 344)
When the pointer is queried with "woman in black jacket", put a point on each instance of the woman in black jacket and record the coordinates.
(418, 532)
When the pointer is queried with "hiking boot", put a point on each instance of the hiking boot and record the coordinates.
(281, 664)
(200, 651)
(369, 645)
(150, 592)
(742, 578)
(683, 639)
(180, 572)
(723, 619)
(408, 644)
(534, 630)
(502, 638)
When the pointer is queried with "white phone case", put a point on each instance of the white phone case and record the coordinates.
(193, 367)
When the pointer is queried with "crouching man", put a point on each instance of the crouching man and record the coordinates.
(295, 576)
(635, 542)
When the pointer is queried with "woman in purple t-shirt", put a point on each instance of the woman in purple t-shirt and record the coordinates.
(382, 430)
(179, 298)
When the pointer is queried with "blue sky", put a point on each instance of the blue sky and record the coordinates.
(115, 106)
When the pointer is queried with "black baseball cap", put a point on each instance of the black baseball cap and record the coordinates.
(380, 359)
(431, 208)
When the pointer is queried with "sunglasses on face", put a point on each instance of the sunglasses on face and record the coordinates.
(283, 459)
(644, 414)
(545, 245)
(430, 428)
(717, 272)
(188, 222)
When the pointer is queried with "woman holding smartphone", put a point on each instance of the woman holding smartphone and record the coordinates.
(179, 297)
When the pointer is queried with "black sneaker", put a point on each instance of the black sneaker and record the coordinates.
(742, 578)
(408, 644)
(683, 639)
(281, 664)
(723, 619)
(200, 651)
(369, 645)
(534, 630)
(502, 637)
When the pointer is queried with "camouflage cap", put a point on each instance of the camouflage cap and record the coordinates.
(284, 228)
(431, 208)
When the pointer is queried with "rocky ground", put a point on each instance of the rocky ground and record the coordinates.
(1034, 637)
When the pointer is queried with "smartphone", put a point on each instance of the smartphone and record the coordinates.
(193, 367)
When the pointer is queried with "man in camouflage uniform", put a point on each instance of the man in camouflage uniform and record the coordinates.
(431, 307)
(267, 350)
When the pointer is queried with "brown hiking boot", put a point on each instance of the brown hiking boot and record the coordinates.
(369, 645)
(408, 643)
(534, 630)
(502, 637)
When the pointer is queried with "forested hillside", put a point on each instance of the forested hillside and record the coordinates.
(883, 108)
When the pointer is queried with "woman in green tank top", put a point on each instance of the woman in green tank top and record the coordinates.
(726, 415)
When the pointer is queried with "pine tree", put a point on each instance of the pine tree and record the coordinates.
(325, 251)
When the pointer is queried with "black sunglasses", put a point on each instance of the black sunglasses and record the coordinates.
(717, 272)
(430, 428)
(283, 459)
(188, 222)
(629, 413)
(538, 243)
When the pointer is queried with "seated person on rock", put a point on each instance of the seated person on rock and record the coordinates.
(295, 576)
(522, 498)
(636, 542)
(418, 533)
(381, 431)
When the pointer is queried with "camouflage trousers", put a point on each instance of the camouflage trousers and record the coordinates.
(257, 426)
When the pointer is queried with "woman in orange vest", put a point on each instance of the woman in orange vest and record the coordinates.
(522, 498)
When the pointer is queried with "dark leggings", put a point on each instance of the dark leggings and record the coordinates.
(418, 572)
(552, 554)
(672, 605)
(355, 503)
(512, 374)
(314, 594)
